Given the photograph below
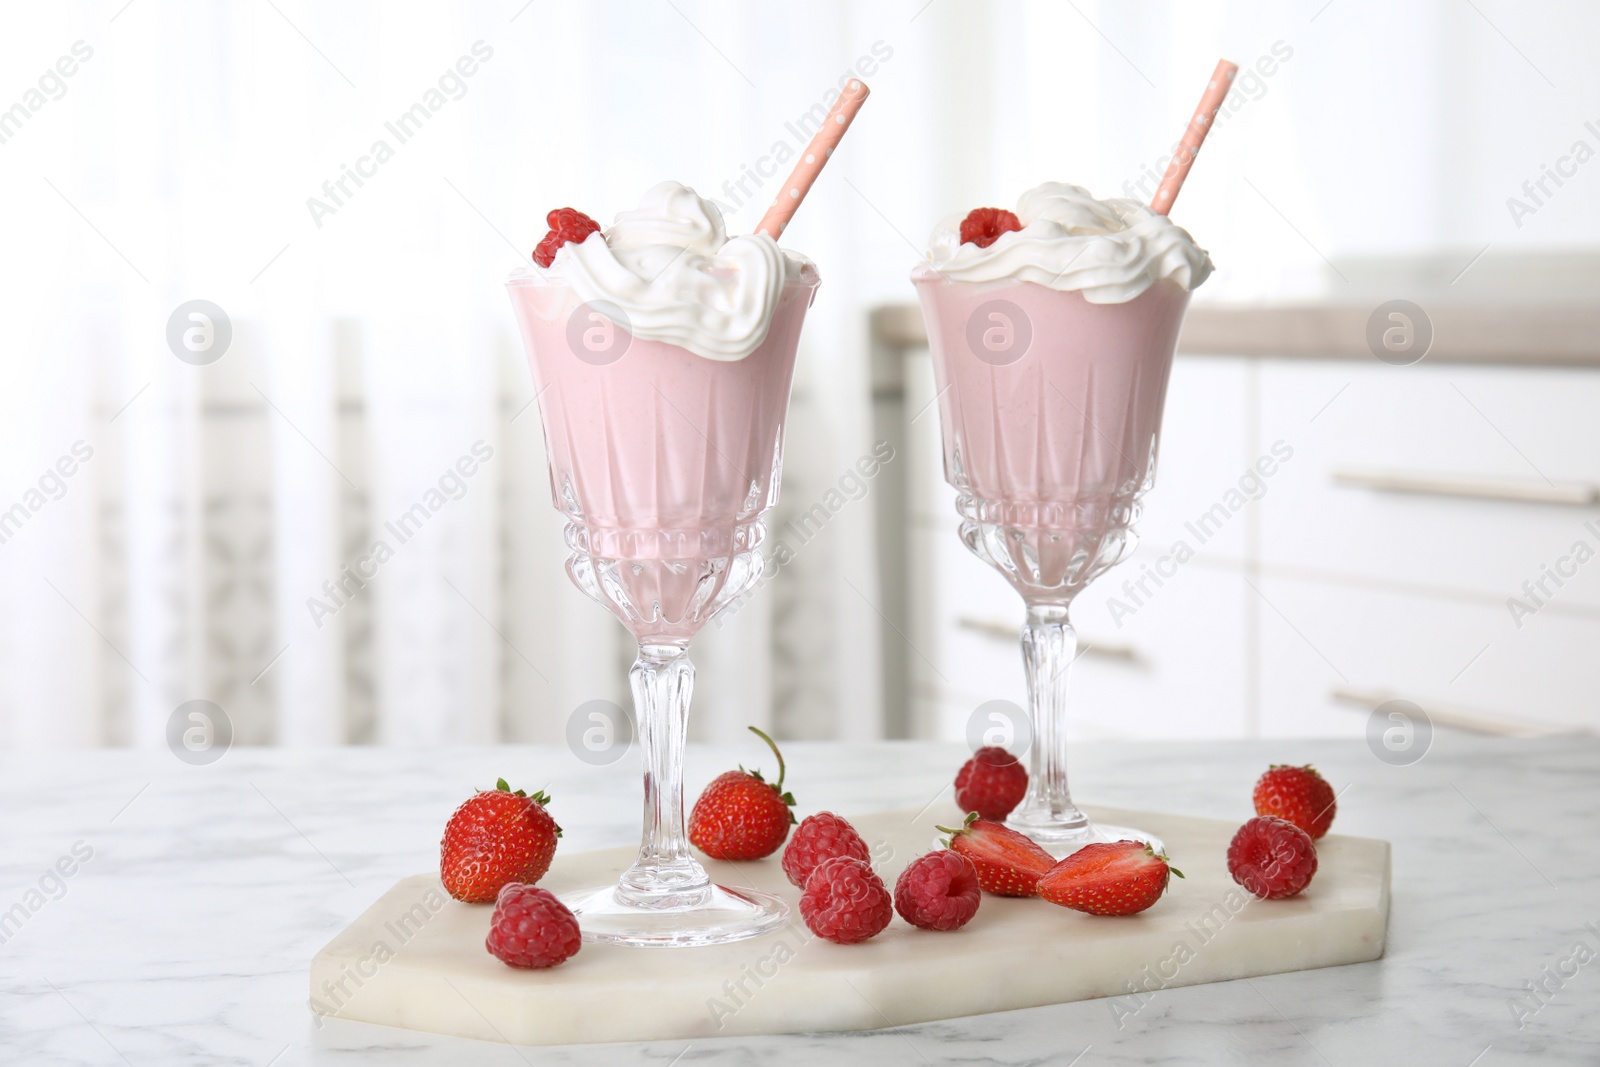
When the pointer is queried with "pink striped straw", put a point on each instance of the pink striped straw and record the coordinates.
(1194, 136)
(826, 139)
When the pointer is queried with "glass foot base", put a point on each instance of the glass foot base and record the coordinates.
(1061, 842)
(723, 915)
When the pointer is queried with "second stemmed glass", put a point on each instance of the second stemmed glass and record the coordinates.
(1050, 408)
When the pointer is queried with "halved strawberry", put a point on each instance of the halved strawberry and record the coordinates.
(1009, 864)
(1114, 878)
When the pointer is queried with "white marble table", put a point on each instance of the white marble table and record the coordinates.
(184, 938)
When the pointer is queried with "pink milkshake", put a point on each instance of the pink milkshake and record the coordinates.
(1051, 406)
(662, 352)
(1052, 332)
(663, 460)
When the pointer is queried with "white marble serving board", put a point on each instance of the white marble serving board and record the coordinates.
(416, 958)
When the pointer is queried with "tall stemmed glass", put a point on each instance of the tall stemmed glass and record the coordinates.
(1050, 408)
(663, 462)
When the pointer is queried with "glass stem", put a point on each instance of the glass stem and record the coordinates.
(1049, 644)
(665, 875)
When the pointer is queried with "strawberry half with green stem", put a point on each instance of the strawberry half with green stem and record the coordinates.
(1108, 878)
(741, 815)
(495, 838)
(1008, 863)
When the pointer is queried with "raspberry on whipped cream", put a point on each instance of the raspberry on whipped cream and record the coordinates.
(1108, 250)
(671, 269)
(984, 225)
(567, 225)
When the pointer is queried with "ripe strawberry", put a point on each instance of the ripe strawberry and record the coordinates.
(495, 838)
(984, 225)
(1008, 864)
(1299, 795)
(938, 891)
(1108, 878)
(566, 224)
(742, 816)
(991, 783)
(821, 837)
(845, 902)
(1272, 858)
(530, 928)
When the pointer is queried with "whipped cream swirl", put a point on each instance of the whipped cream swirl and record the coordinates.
(672, 269)
(1108, 250)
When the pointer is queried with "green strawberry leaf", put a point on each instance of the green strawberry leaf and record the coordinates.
(971, 818)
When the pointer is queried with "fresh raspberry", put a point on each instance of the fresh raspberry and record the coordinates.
(938, 891)
(1298, 794)
(820, 837)
(991, 783)
(531, 928)
(845, 902)
(984, 225)
(1272, 858)
(566, 224)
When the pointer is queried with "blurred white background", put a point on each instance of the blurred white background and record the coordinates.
(372, 346)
